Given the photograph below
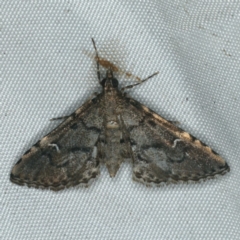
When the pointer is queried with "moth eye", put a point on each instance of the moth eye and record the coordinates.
(103, 82)
(94, 100)
(114, 82)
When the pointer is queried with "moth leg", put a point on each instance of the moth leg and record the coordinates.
(59, 118)
(144, 80)
(97, 57)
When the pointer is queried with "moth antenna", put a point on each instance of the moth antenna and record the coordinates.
(98, 70)
(144, 80)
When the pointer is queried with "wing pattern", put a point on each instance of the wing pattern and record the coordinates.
(163, 152)
(65, 157)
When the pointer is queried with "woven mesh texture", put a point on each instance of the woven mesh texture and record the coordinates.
(48, 71)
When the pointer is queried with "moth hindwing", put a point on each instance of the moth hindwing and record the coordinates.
(109, 129)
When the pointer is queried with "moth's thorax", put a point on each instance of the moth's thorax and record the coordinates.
(113, 97)
(113, 101)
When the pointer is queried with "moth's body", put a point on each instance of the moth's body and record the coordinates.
(109, 129)
(112, 145)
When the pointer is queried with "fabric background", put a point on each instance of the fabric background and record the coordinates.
(48, 71)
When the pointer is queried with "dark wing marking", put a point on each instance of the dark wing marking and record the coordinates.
(65, 157)
(163, 152)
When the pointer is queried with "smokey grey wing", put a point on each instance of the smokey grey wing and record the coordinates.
(65, 157)
(163, 152)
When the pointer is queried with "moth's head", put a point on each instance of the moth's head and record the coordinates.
(109, 81)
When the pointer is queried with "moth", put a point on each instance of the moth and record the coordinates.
(109, 129)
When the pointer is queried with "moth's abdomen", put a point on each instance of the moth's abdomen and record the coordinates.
(113, 147)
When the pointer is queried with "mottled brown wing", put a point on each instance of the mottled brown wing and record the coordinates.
(65, 157)
(163, 152)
